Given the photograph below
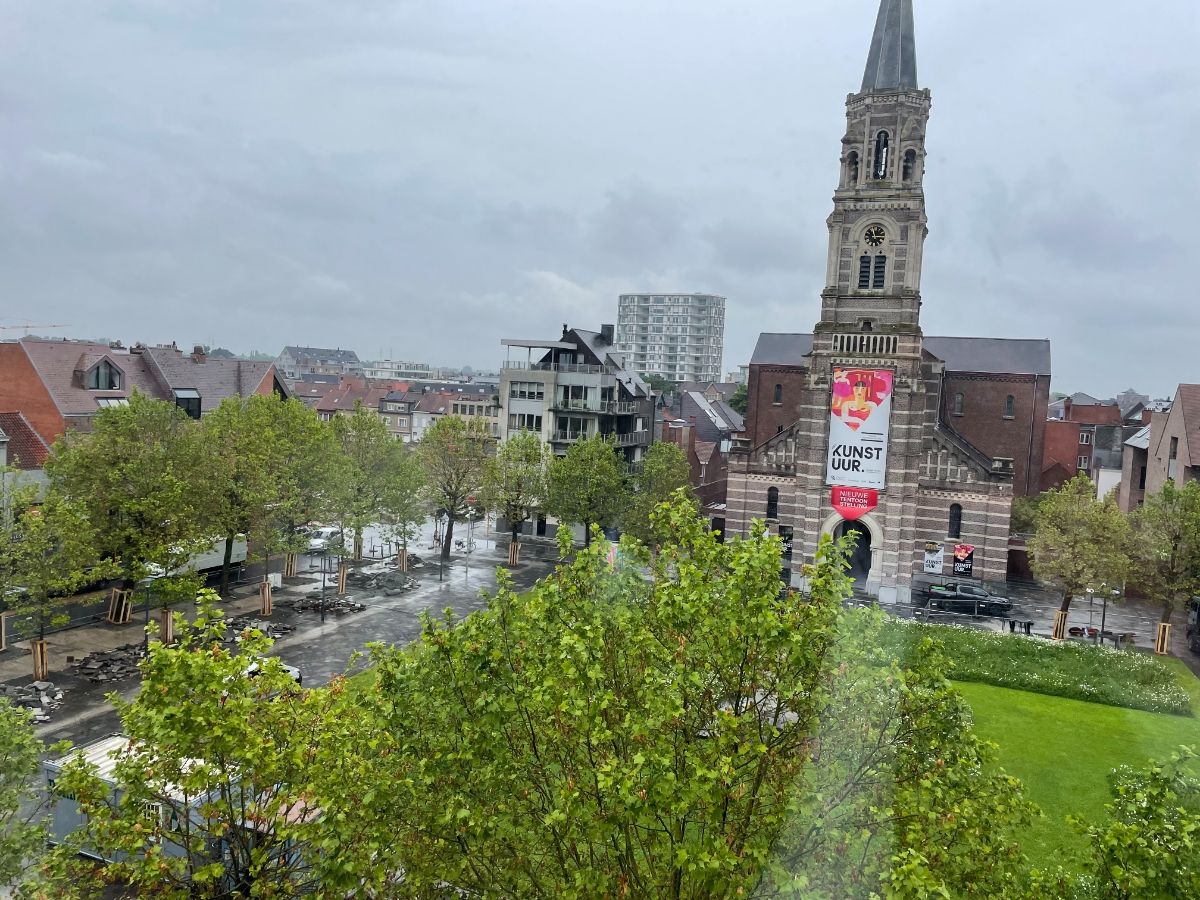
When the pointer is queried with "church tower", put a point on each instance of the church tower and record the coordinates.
(878, 226)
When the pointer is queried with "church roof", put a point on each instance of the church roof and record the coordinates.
(1000, 356)
(892, 62)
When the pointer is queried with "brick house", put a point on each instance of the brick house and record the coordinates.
(1071, 435)
(1172, 448)
(62, 385)
(704, 429)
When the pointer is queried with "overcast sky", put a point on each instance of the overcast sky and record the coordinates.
(421, 178)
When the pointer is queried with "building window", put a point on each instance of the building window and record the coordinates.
(104, 376)
(881, 155)
(880, 272)
(1174, 448)
(957, 409)
(955, 529)
(778, 401)
(910, 164)
(1082, 463)
(1085, 437)
(401, 423)
(524, 422)
(1010, 405)
(189, 401)
(1142, 479)
(864, 273)
(773, 503)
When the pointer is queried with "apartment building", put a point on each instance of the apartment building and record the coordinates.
(677, 336)
(573, 388)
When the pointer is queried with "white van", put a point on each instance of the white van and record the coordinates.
(208, 560)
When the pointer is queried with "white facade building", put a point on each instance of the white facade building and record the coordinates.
(677, 336)
(397, 370)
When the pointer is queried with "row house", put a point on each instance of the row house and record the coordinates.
(62, 385)
(295, 362)
(1166, 449)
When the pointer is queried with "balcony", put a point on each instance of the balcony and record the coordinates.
(631, 439)
(569, 437)
(522, 366)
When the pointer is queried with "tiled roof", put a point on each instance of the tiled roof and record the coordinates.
(26, 449)
(56, 363)
(1005, 356)
(322, 354)
(214, 379)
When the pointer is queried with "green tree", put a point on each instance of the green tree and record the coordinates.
(664, 471)
(1023, 519)
(404, 504)
(740, 400)
(368, 460)
(515, 482)
(587, 486)
(1166, 546)
(1079, 540)
(50, 552)
(659, 384)
(453, 453)
(141, 475)
(251, 789)
(1148, 847)
(22, 812)
(676, 727)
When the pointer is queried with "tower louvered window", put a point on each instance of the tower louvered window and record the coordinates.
(882, 151)
(879, 272)
(864, 273)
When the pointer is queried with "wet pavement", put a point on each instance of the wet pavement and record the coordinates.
(320, 651)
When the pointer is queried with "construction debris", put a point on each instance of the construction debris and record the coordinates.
(273, 630)
(39, 697)
(111, 665)
(390, 583)
(332, 604)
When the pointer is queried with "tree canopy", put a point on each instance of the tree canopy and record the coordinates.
(664, 471)
(453, 454)
(515, 479)
(587, 486)
(1166, 546)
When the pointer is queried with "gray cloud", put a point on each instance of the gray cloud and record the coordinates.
(424, 177)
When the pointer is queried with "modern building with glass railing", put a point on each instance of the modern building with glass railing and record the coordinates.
(572, 388)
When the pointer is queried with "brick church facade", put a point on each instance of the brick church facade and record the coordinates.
(943, 431)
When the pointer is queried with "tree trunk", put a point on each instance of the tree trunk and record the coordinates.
(587, 534)
(226, 564)
(514, 545)
(358, 543)
(1066, 601)
(447, 537)
(1168, 609)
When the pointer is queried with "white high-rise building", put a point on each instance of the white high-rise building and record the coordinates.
(677, 336)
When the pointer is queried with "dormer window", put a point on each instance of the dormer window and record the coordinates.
(188, 400)
(104, 376)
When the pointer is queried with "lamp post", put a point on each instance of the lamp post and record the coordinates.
(327, 568)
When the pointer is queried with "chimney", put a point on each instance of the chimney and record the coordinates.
(198, 354)
(1066, 409)
(606, 334)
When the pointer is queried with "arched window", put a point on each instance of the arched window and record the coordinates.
(778, 394)
(877, 277)
(882, 152)
(864, 273)
(955, 530)
(958, 405)
(772, 503)
(910, 164)
(1010, 405)
(852, 168)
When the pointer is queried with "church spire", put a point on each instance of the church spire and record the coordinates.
(892, 62)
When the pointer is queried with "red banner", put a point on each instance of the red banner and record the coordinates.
(853, 503)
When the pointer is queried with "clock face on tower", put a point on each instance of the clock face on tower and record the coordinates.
(875, 236)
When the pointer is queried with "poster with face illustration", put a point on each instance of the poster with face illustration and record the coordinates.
(860, 414)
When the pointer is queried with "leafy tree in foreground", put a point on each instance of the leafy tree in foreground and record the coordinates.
(22, 823)
(665, 470)
(515, 481)
(1080, 541)
(1166, 546)
(239, 766)
(587, 486)
(691, 734)
(453, 454)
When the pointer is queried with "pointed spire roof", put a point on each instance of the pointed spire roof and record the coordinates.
(892, 62)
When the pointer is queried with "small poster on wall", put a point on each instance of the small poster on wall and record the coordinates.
(964, 560)
(935, 558)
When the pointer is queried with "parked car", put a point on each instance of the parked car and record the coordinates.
(967, 598)
(321, 539)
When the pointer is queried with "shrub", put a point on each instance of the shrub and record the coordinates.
(1076, 671)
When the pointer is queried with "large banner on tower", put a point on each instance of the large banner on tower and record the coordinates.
(860, 414)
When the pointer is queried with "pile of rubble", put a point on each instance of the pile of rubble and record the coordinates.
(390, 583)
(333, 604)
(273, 630)
(39, 697)
(111, 665)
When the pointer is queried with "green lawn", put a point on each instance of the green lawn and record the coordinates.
(1063, 750)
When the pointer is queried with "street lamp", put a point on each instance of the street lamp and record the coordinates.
(327, 568)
